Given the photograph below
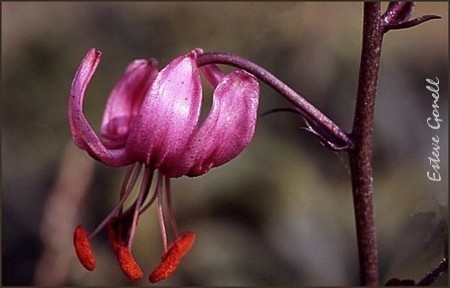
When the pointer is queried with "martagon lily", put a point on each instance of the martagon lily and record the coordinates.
(151, 122)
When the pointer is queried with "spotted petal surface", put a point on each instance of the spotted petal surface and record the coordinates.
(168, 114)
(228, 128)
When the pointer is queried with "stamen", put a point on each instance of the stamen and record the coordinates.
(128, 265)
(128, 185)
(150, 202)
(172, 258)
(159, 210)
(126, 261)
(133, 174)
(114, 238)
(169, 207)
(143, 192)
(83, 248)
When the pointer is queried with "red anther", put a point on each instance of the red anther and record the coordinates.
(128, 265)
(184, 242)
(172, 258)
(83, 248)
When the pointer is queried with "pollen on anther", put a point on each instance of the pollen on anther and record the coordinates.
(128, 265)
(83, 248)
(172, 258)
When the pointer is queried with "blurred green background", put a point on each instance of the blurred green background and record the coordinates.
(281, 212)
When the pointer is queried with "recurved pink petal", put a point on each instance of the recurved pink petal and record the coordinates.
(228, 128)
(213, 74)
(125, 100)
(168, 114)
(82, 133)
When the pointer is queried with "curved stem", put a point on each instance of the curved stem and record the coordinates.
(411, 23)
(340, 140)
(361, 155)
(434, 274)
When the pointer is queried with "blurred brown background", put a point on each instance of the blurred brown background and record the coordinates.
(281, 212)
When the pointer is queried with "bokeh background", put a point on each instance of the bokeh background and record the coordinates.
(281, 212)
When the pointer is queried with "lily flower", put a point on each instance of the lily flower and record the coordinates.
(151, 123)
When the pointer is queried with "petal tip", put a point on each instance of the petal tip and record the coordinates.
(94, 53)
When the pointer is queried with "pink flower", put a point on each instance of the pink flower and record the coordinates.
(151, 120)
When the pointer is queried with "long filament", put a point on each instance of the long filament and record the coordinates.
(172, 221)
(146, 183)
(150, 202)
(130, 182)
(159, 209)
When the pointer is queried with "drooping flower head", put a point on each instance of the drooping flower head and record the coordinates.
(151, 121)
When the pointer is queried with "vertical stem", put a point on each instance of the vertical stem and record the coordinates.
(361, 155)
